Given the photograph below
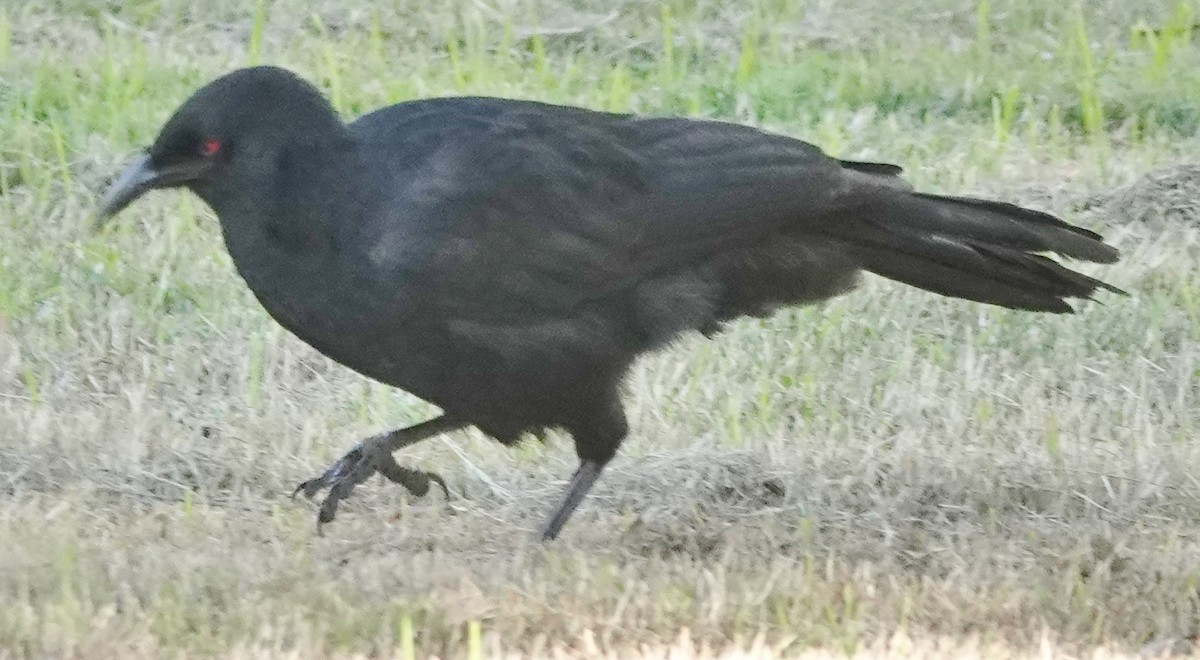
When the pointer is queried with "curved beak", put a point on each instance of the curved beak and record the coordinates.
(141, 176)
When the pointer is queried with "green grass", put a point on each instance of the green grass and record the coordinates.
(960, 480)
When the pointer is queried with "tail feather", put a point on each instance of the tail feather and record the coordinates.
(980, 250)
(884, 169)
(1050, 232)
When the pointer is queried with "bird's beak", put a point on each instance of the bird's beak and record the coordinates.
(141, 176)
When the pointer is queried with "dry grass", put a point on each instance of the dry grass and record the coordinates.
(890, 474)
(1164, 199)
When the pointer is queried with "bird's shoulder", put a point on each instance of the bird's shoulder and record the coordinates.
(482, 183)
(429, 122)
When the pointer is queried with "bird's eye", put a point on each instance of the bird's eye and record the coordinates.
(210, 148)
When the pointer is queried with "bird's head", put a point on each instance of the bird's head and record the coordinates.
(232, 127)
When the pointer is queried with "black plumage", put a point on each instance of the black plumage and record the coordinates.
(508, 260)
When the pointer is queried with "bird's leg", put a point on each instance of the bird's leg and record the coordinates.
(589, 470)
(374, 455)
(598, 434)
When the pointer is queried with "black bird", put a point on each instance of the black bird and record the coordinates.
(507, 260)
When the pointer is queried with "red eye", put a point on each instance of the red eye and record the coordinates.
(210, 147)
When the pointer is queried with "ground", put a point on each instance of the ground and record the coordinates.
(890, 473)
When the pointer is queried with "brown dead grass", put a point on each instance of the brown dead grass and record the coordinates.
(1166, 198)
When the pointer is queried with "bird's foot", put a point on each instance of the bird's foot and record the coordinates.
(356, 467)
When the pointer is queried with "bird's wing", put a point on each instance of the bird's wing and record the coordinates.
(540, 208)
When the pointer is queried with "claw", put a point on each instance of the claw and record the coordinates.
(346, 464)
(309, 488)
(416, 481)
(356, 467)
(441, 483)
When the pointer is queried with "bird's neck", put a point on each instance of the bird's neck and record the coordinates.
(293, 230)
(297, 201)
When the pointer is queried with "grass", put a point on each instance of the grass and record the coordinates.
(887, 474)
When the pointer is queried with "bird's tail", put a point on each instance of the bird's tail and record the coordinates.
(976, 249)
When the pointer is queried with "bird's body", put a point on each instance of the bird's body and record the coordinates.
(483, 259)
(508, 260)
